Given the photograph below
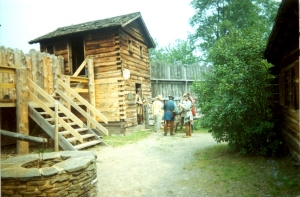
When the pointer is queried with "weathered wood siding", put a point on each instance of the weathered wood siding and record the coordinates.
(103, 48)
(61, 48)
(136, 59)
(174, 79)
(289, 101)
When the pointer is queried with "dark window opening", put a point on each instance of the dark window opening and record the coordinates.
(141, 51)
(77, 54)
(49, 49)
(137, 87)
(130, 46)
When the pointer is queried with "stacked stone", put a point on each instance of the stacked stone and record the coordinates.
(74, 176)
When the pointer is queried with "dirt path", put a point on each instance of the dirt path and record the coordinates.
(151, 167)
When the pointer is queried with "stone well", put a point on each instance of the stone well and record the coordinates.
(66, 173)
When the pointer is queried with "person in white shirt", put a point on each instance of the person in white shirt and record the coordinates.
(186, 106)
(157, 112)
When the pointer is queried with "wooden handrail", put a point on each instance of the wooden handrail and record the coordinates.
(52, 113)
(83, 101)
(90, 107)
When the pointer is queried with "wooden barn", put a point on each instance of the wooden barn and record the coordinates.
(119, 49)
(283, 52)
(82, 84)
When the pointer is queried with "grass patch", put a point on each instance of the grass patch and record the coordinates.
(218, 171)
(121, 140)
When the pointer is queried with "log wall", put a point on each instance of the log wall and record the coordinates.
(289, 102)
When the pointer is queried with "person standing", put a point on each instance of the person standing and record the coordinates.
(169, 107)
(186, 106)
(140, 100)
(157, 111)
(193, 109)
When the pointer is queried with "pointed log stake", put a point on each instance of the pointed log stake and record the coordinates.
(23, 137)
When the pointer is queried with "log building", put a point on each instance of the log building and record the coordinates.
(283, 52)
(119, 48)
(81, 85)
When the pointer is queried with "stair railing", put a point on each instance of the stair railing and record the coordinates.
(49, 111)
(67, 93)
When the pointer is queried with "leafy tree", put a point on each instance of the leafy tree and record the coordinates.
(234, 94)
(217, 18)
(181, 51)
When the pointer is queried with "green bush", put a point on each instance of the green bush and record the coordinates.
(234, 95)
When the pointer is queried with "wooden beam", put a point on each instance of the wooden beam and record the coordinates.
(91, 86)
(80, 68)
(23, 137)
(22, 109)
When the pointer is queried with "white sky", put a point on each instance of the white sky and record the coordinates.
(25, 20)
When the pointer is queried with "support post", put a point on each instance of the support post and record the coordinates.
(91, 85)
(56, 147)
(22, 109)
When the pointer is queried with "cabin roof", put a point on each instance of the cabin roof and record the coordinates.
(117, 21)
(285, 33)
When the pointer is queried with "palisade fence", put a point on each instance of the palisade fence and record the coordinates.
(175, 79)
(42, 68)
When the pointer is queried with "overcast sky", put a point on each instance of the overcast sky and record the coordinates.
(25, 20)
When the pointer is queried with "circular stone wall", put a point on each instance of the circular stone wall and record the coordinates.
(71, 173)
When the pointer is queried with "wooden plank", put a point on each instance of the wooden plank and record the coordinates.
(41, 104)
(70, 129)
(78, 90)
(80, 68)
(84, 102)
(22, 110)
(7, 85)
(79, 79)
(10, 104)
(111, 80)
(8, 69)
(87, 144)
(49, 129)
(91, 86)
(87, 116)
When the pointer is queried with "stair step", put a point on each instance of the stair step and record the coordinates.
(72, 139)
(51, 119)
(87, 144)
(69, 123)
(43, 113)
(68, 132)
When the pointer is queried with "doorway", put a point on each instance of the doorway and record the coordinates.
(77, 45)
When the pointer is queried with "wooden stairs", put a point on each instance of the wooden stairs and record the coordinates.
(52, 114)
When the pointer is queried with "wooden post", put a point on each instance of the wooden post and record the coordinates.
(22, 109)
(91, 85)
(147, 117)
(56, 147)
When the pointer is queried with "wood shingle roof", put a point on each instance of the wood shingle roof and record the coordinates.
(117, 21)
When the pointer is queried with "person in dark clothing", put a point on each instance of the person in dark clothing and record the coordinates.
(169, 108)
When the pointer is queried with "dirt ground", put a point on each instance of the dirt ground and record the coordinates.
(151, 167)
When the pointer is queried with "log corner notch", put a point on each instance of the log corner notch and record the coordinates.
(23, 137)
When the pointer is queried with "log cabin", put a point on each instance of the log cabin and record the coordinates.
(283, 52)
(81, 84)
(119, 49)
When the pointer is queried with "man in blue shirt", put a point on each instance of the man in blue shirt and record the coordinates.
(169, 108)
